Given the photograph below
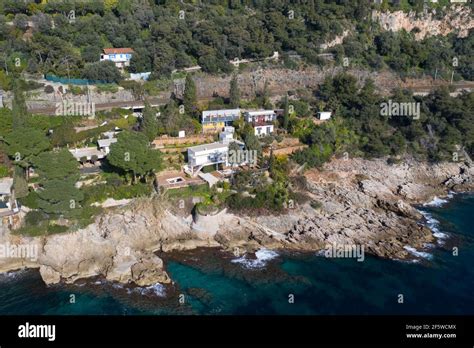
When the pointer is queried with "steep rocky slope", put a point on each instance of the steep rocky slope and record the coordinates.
(362, 202)
(459, 19)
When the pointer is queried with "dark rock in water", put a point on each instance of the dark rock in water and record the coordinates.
(201, 295)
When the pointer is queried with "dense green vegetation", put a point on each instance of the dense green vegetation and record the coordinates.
(67, 37)
(132, 154)
(40, 143)
(360, 129)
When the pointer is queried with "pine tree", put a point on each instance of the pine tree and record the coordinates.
(190, 97)
(286, 114)
(59, 195)
(234, 93)
(132, 154)
(266, 103)
(149, 125)
(24, 143)
(19, 110)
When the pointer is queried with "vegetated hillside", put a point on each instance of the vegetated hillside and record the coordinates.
(442, 131)
(66, 38)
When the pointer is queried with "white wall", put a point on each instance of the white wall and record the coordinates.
(263, 130)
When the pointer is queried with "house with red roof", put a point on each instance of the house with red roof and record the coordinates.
(120, 56)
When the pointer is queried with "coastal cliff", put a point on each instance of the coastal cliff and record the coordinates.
(361, 202)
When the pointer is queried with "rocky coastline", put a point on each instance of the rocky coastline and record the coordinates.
(360, 202)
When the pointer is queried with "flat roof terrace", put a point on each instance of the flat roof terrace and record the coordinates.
(208, 147)
(177, 179)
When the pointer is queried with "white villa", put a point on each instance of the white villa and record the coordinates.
(88, 153)
(208, 154)
(99, 152)
(215, 120)
(262, 121)
(120, 56)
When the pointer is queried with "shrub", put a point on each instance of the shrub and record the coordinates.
(30, 201)
(87, 216)
(48, 89)
(35, 218)
(76, 90)
(114, 180)
(32, 231)
(208, 169)
(127, 192)
(107, 88)
(393, 160)
(30, 85)
(52, 229)
(316, 204)
(299, 197)
(3, 171)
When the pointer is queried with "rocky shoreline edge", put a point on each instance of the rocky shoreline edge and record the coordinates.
(362, 202)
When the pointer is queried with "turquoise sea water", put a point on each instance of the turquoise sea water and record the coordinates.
(213, 282)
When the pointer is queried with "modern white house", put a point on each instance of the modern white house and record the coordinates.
(88, 153)
(104, 144)
(216, 120)
(324, 115)
(262, 121)
(208, 154)
(8, 203)
(100, 151)
(120, 56)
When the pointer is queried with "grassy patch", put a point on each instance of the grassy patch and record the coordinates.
(191, 191)
(99, 193)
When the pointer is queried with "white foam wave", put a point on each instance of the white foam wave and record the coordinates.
(7, 276)
(437, 202)
(417, 253)
(262, 258)
(156, 289)
(433, 224)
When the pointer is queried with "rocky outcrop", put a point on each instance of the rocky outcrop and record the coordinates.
(119, 246)
(361, 202)
(336, 41)
(458, 19)
(370, 203)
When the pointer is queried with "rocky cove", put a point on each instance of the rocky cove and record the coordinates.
(362, 202)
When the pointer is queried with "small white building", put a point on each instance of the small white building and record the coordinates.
(324, 115)
(260, 116)
(207, 154)
(8, 203)
(104, 144)
(6, 185)
(120, 56)
(87, 153)
(261, 131)
(227, 135)
(262, 121)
